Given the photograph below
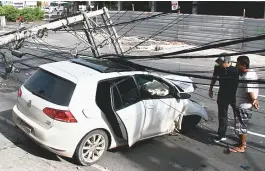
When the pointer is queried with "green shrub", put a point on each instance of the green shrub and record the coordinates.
(11, 13)
(30, 14)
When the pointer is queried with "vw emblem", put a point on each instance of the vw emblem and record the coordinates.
(29, 103)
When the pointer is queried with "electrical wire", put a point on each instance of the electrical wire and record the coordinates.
(120, 16)
(50, 51)
(216, 101)
(80, 38)
(158, 32)
(204, 89)
(128, 24)
(122, 23)
(145, 68)
(135, 26)
(46, 43)
(151, 57)
(61, 47)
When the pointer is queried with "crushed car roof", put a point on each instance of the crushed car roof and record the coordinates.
(102, 65)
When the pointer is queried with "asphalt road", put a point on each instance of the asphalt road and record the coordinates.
(193, 151)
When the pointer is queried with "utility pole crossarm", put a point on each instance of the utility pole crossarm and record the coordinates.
(50, 26)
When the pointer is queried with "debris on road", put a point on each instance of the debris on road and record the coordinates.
(203, 165)
(246, 167)
(158, 48)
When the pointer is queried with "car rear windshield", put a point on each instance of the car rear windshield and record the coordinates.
(50, 87)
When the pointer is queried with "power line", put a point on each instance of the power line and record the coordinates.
(132, 27)
(217, 92)
(158, 32)
(50, 51)
(145, 68)
(216, 100)
(122, 23)
(135, 26)
(121, 16)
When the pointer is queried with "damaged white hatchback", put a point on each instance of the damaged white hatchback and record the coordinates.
(82, 107)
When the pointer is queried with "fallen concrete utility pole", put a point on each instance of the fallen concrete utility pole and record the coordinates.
(4, 40)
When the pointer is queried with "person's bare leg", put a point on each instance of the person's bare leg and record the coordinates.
(243, 139)
(242, 147)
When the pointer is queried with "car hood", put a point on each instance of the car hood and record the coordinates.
(182, 82)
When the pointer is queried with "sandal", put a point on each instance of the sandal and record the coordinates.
(237, 149)
(245, 145)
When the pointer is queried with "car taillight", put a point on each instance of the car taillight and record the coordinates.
(60, 115)
(19, 92)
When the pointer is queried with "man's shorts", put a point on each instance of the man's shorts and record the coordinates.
(242, 117)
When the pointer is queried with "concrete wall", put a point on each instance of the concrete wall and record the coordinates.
(193, 29)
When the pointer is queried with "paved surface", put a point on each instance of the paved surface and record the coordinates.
(194, 151)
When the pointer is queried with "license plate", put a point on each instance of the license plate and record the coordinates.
(25, 127)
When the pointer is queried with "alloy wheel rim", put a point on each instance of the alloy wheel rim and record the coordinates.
(93, 148)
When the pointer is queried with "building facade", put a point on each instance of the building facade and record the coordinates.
(251, 9)
(20, 4)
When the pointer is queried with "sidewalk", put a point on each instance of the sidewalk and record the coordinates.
(18, 153)
(7, 102)
(14, 25)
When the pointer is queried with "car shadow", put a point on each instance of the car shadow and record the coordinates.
(160, 154)
(205, 136)
(20, 140)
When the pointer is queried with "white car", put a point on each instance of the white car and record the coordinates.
(82, 107)
(48, 10)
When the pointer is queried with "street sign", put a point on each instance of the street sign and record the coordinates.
(174, 5)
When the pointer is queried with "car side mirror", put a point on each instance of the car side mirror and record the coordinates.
(184, 95)
(195, 86)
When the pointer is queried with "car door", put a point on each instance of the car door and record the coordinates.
(160, 105)
(129, 109)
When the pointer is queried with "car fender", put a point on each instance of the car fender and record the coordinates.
(194, 108)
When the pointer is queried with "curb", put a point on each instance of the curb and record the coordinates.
(7, 121)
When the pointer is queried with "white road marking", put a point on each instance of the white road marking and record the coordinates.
(218, 88)
(249, 132)
(257, 134)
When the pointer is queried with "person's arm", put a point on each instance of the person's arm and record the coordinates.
(254, 101)
(213, 81)
(251, 88)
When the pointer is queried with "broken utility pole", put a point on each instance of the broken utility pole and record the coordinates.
(84, 17)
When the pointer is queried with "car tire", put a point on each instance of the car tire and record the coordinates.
(189, 123)
(81, 153)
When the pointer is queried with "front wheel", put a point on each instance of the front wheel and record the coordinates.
(92, 147)
(189, 122)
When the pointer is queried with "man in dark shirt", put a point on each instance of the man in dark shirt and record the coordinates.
(228, 76)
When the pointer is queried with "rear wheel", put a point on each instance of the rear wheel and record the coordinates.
(189, 123)
(92, 147)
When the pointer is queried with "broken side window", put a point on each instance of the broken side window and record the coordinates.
(125, 93)
(153, 86)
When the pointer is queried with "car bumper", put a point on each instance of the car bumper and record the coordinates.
(38, 134)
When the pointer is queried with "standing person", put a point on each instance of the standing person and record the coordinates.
(226, 93)
(21, 21)
(246, 98)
